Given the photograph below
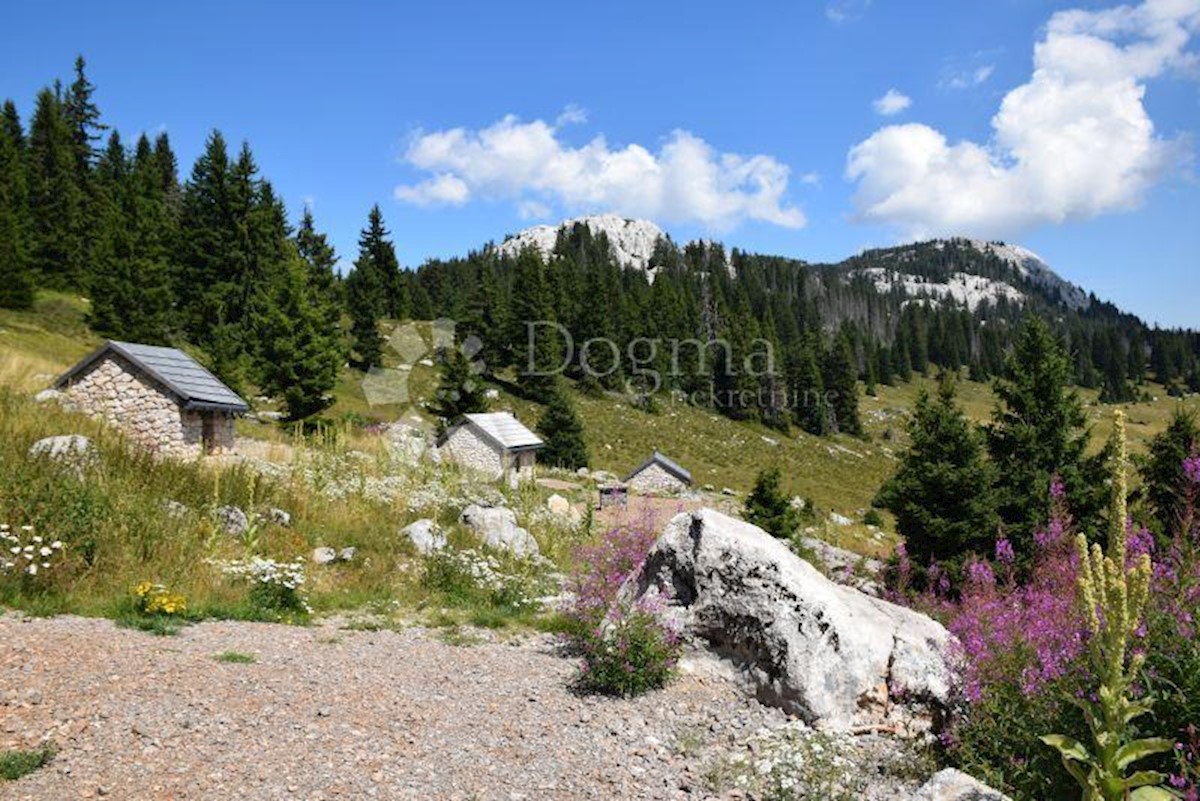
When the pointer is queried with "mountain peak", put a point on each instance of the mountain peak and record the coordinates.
(632, 241)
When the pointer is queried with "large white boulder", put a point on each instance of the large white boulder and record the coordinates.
(424, 536)
(496, 527)
(74, 448)
(827, 653)
(954, 785)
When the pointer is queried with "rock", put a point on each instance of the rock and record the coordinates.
(324, 555)
(426, 362)
(823, 652)
(604, 477)
(268, 416)
(424, 536)
(582, 472)
(232, 519)
(176, 509)
(728, 491)
(558, 505)
(954, 785)
(279, 517)
(839, 520)
(491, 393)
(497, 527)
(847, 567)
(49, 396)
(73, 448)
(348, 553)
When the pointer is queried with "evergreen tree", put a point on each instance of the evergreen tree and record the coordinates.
(941, 493)
(562, 430)
(56, 205)
(16, 275)
(374, 245)
(1037, 432)
(82, 117)
(300, 353)
(1162, 470)
(536, 345)
(768, 508)
(841, 384)
(808, 391)
(324, 287)
(459, 390)
(204, 246)
(366, 296)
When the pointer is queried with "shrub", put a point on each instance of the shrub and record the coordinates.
(769, 509)
(276, 588)
(475, 578)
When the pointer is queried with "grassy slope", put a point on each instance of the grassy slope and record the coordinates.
(839, 474)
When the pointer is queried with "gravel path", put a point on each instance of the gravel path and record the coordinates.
(329, 713)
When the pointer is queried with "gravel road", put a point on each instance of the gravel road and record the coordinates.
(326, 713)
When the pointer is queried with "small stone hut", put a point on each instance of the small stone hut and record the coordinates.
(495, 444)
(659, 475)
(161, 398)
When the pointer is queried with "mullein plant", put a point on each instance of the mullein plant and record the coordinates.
(1113, 590)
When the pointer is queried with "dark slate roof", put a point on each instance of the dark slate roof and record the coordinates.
(501, 428)
(182, 375)
(670, 465)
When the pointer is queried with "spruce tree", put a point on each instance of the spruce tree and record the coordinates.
(562, 430)
(1162, 471)
(366, 297)
(56, 204)
(768, 508)
(16, 274)
(204, 244)
(539, 360)
(1038, 430)
(374, 245)
(460, 391)
(941, 494)
(300, 353)
(808, 391)
(841, 384)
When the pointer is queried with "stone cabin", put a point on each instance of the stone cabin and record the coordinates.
(495, 444)
(161, 398)
(659, 475)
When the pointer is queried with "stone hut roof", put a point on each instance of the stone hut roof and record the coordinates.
(670, 465)
(184, 377)
(502, 428)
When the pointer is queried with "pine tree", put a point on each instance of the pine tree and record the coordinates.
(768, 508)
(536, 346)
(808, 391)
(1162, 471)
(204, 244)
(1038, 431)
(374, 245)
(562, 430)
(841, 384)
(460, 391)
(16, 274)
(300, 354)
(366, 296)
(941, 493)
(56, 205)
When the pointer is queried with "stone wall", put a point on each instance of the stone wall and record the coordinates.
(114, 390)
(655, 480)
(469, 449)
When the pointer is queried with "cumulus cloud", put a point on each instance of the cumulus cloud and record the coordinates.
(685, 181)
(1073, 142)
(891, 103)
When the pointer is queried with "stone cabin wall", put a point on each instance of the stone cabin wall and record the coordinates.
(655, 480)
(471, 450)
(114, 390)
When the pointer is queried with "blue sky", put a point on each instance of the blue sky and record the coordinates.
(758, 124)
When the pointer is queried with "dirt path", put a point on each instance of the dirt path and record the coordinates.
(328, 713)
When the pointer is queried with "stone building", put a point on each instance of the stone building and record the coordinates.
(659, 475)
(494, 444)
(161, 398)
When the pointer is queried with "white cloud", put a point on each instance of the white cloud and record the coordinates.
(965, 79)
(571, 115)
(1073, 142)
(891, 103)
(842, 11)
(685, 181)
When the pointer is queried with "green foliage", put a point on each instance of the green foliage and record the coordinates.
(841, 384)
(768, 508)
(15, 764)
(562, 430)
(628, 655)
(941, 492)
(1162, 470)
(460, 391)
(235, 658)
(366, 293)
(1113, 597)
(1038, 430)
(16, 271)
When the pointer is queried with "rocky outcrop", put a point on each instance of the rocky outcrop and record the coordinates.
(424, 536)
(827, 653)
(69, 448)
(232, 520)
(954, 785)
(497, 528)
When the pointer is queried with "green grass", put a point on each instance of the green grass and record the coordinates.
(236, 658)
(15, 764)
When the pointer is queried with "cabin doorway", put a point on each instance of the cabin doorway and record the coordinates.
(208, 432)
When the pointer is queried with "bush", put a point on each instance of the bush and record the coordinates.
(769, 509)
(276, 588)
(474, 578)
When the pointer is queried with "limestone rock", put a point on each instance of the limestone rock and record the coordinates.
(232, 520)
(279, 517)
(176, 509)
(324, 556)
(348, 553)
(73, 449)
(424, 536)
(497, 527)
(558, 505)
(846, 567)
(824, 652)
(49, 396)
(954, 785)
